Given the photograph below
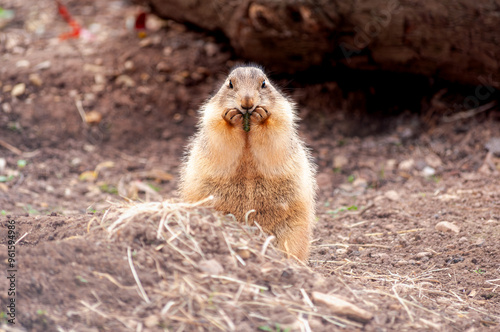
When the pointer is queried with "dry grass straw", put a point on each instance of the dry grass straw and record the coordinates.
(216, 274)
(417, 293)
(213, 273)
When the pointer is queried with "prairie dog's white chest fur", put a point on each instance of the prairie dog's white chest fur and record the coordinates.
(248, 155)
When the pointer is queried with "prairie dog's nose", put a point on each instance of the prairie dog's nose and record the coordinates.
(247, 103)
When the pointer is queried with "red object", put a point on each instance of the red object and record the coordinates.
(75, 32)
(140, 21)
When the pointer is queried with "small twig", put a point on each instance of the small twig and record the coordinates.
(409, 302)
(102, 314)
(167, 307)
(247, 215)
(307, 300)
(398, 232)
(226, 318)
(22, 237)
(93, 308)
(266, 244)
(469, 113)
(327, 261)
(81, 111)
(233, 254)
(136, 277)
(485, 313)
(239, 282)
(357, 224)
(305, 323)
(369, 206)
(112, 279)
(491, 283)
(238, 293)
(329, 318)
(348, 288)
(458, 297)
(346, 245)
(402, 303)
(11, 148)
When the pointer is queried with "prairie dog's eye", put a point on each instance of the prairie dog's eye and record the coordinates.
(230, 84)
(263, 84)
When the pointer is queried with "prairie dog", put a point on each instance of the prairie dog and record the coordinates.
(257, 164)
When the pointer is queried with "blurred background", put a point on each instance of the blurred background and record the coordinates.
(85, 82)
(398, 103)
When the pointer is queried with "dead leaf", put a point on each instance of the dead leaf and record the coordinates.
(89, 176)
(104, 164)
(4, 187)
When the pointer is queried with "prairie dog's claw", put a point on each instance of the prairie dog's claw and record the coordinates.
(259, 114)
(233, 116)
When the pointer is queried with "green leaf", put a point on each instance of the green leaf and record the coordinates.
(81, 279)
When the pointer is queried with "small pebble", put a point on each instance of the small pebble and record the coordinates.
(18, 90)
(211, 267)
(390, 164)
(479, 242)
(392, 195)
(420, 164)
(406, 165)
(35, 79)
(341, 251)
(445, 226)
(99, 79)
(93, 117)
(125, 80)
(463, 239)
(360, 183)
(433, 161)
(151, 321)
(493, 146)
(211, 49)
(43, 65)
(22, 64)
(455, 259)
(423, 254)
(401, 262)
(6, 108)
(340, 161)
(167, 51)
(129, 65)
(163, 67)
(428, 171)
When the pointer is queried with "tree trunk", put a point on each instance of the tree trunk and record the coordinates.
(458, 40)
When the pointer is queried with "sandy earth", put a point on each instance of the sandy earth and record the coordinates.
(389, 172)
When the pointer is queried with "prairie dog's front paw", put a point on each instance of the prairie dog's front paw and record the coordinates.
(233, 116)
(259, 115)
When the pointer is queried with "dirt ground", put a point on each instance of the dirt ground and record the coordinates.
(393, 163)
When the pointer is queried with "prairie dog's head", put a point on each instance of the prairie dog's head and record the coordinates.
(246, 88)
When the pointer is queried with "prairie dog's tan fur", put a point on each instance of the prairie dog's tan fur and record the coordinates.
(266, 169)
